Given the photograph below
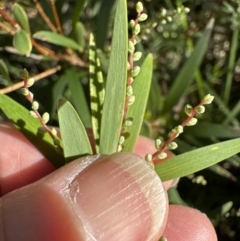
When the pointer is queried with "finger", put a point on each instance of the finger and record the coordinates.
(116, 197)
(187, 224)
(144, 146)
(20, 162)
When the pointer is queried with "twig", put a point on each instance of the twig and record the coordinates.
(8, 19)
(36, 78)
(44, 16)
(56, 17)
(6, 28)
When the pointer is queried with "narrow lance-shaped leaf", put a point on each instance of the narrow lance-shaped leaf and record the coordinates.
(21, 17)
(188, 70)
(197, 160)
(57, 39)
(78, 97)
(141, 88)
(74, 137)
(4, 71)
(116, 83)
(22, 42)
(97, 91)
(28, 126)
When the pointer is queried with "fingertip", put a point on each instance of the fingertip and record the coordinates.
(188, 224)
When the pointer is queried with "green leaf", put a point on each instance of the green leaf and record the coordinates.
(4, 71)
(188, 70)
(206, 130)
(79, 33)
(116, 83)
(22, 42)
(21, 17)
(97, 91)
(78, 97)
(57, 92)
(141, 88)
(197, 160)
(78, 7)
(57, 39)
(102, 22)
(74, 137)
(28, 126)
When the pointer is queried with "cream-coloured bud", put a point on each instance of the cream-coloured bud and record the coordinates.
(164, 12)
(169, 19)
(33, 114)
(136, 30)
(119, 148)
(137, 56)
(162, 155)
(30, 82)
(179, 129)
(54, 132)
(188, 110)
(128, 122)
(200, 109)
(208, 99)
(24, 91)
(172, 145)
(131, 100)
(135, 71)
(131, 47)
(129, 91)
(132, 23)
(158, 143)
(163, 21)
(45, 118)
(139, 7)
(35, 105)
(121, 140)
(192, 122)
(142, 17)
(148, 158)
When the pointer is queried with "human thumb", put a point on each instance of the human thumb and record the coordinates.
(102, 197)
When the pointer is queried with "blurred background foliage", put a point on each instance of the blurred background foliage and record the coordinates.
(170, 34)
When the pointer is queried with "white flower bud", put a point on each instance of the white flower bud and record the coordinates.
(188, 110)
(128, 122)
(139, 7)
(33, 114)
(158, 143)
(162, 155)
(132, 24)
(35, 105)
(208, 99)
(131, 47)
(142, 17)
(129, 91)
(192, 122)
(148, 157)
(135, 71)
(45, 117)
(121, 140)
(24, 91)
(131, 100)
(137, 56)
(200, 109)
(54, 131)
(136, 29)
(172, 145)
(119, 148)
(30, 82)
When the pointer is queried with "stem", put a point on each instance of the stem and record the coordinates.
(8, 19)
(36, 78)
(56, 17)
(6, 28)
(44, 16)
(231, 65)
(175, 135)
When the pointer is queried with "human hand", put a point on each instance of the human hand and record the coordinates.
(116, 197)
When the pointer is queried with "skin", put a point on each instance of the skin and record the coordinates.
(106, 197)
